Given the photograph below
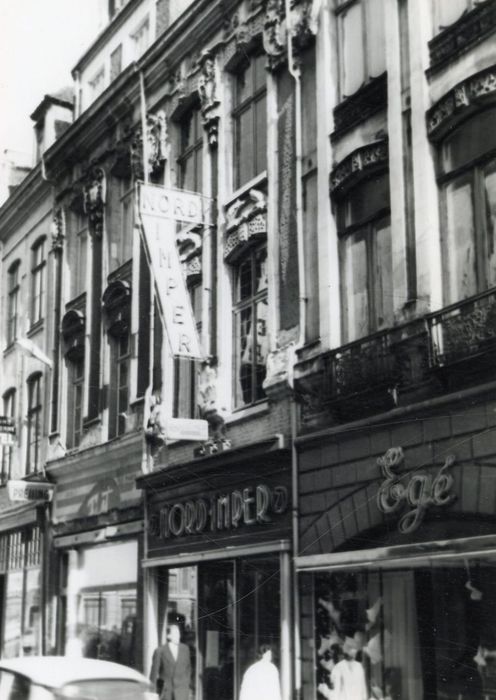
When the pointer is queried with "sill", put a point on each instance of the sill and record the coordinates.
(253, 183)
(90, 422)
(35, 328)
(9, 348)
(244, 412)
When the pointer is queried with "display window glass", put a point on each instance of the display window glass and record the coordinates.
(102, 604)
(225, 611)
(426, 632)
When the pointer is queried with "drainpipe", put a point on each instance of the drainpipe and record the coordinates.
(295, 72)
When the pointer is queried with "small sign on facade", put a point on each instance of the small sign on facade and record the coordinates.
(186, 429)
(29, 491)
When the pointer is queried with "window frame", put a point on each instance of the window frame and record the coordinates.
(76, 402)
(13, 289)
(473, 171)
(117, 408)
(369, 225)
(9, 410)
(239, 109)
(38, 281)
(194, 152)
(239, 305)
(34, 423)
(340, 12)
(139, 36)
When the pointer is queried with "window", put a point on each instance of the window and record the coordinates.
(250, 327)
(7, 450)
(468, 180)
(119, 388)
(362, 53)
(13, 302)
(34, 424)
(38, 283)
(115, 62)
(190, 159)
(448, 11)
(77, 251)
(140, 38)
(250, 120)
(122, 223)
(366, 258)
(97, 83)
(75, 403)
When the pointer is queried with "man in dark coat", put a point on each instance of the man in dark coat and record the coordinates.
(171, 667)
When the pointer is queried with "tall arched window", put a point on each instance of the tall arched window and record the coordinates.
(13, 287)
(34, 425)
(38, 281)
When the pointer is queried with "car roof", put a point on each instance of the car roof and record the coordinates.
(56, 671)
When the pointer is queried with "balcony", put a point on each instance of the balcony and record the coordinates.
(440, 352)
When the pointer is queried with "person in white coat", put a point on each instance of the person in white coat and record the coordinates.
(261, 679)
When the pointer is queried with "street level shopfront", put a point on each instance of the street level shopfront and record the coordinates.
(217, 563)
(97, 538)
(397, 556)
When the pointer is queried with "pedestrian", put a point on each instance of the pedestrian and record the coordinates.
(261, 679)
(171, 667)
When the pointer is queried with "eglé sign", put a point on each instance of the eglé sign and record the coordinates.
(420, 492)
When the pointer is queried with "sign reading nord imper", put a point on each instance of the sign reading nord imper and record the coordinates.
(160, 208)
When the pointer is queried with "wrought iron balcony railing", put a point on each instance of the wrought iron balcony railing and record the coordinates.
(441, 351)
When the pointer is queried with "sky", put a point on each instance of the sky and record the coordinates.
(40, 42)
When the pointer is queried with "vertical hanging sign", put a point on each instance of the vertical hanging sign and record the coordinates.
(159, 210)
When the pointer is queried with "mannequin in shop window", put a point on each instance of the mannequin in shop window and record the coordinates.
(261, 679)
(348, 676)
(171, 667)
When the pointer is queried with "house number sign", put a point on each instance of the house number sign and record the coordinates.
(418, 494)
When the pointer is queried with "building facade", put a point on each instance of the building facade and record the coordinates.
(342, 287)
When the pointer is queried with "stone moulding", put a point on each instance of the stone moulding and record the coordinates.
(246, 223)
(357, 108)
(471, 28)
(465, 98)
(357, 165)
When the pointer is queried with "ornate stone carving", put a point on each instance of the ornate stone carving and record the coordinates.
(116, 301)
(154, 432)
(211, 410)
(157, 145)
(467, 96)
(189, 243)
(274, 32)
(357, 108)
(278, 381)
(303, 26)
(246, 222)
(207, 90)
(358, 163)
(94, 194)
(58, 230)
(471, 28)
(73, 327)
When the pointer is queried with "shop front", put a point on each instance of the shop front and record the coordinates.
(397, 558)
(97, 540)
(217, 564)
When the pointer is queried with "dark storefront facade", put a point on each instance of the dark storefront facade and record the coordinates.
(397, 555)
(97, 547)
(217, 563)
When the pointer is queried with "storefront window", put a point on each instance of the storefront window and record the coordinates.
(102, 606)
(421, 633)
(225, 610)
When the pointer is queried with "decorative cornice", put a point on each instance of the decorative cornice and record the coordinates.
(357, 165)
(357, 108)
(207, 90)
(246, 223)
(470, 29)
(189, 243)
(95, 190)
(58, 230)
(73, 327)
(116, 303)
(274, 33)
(243, 38)
(467, 97)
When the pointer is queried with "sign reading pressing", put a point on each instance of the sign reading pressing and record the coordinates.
(28, 491)
(159, 209)
(420, 492)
